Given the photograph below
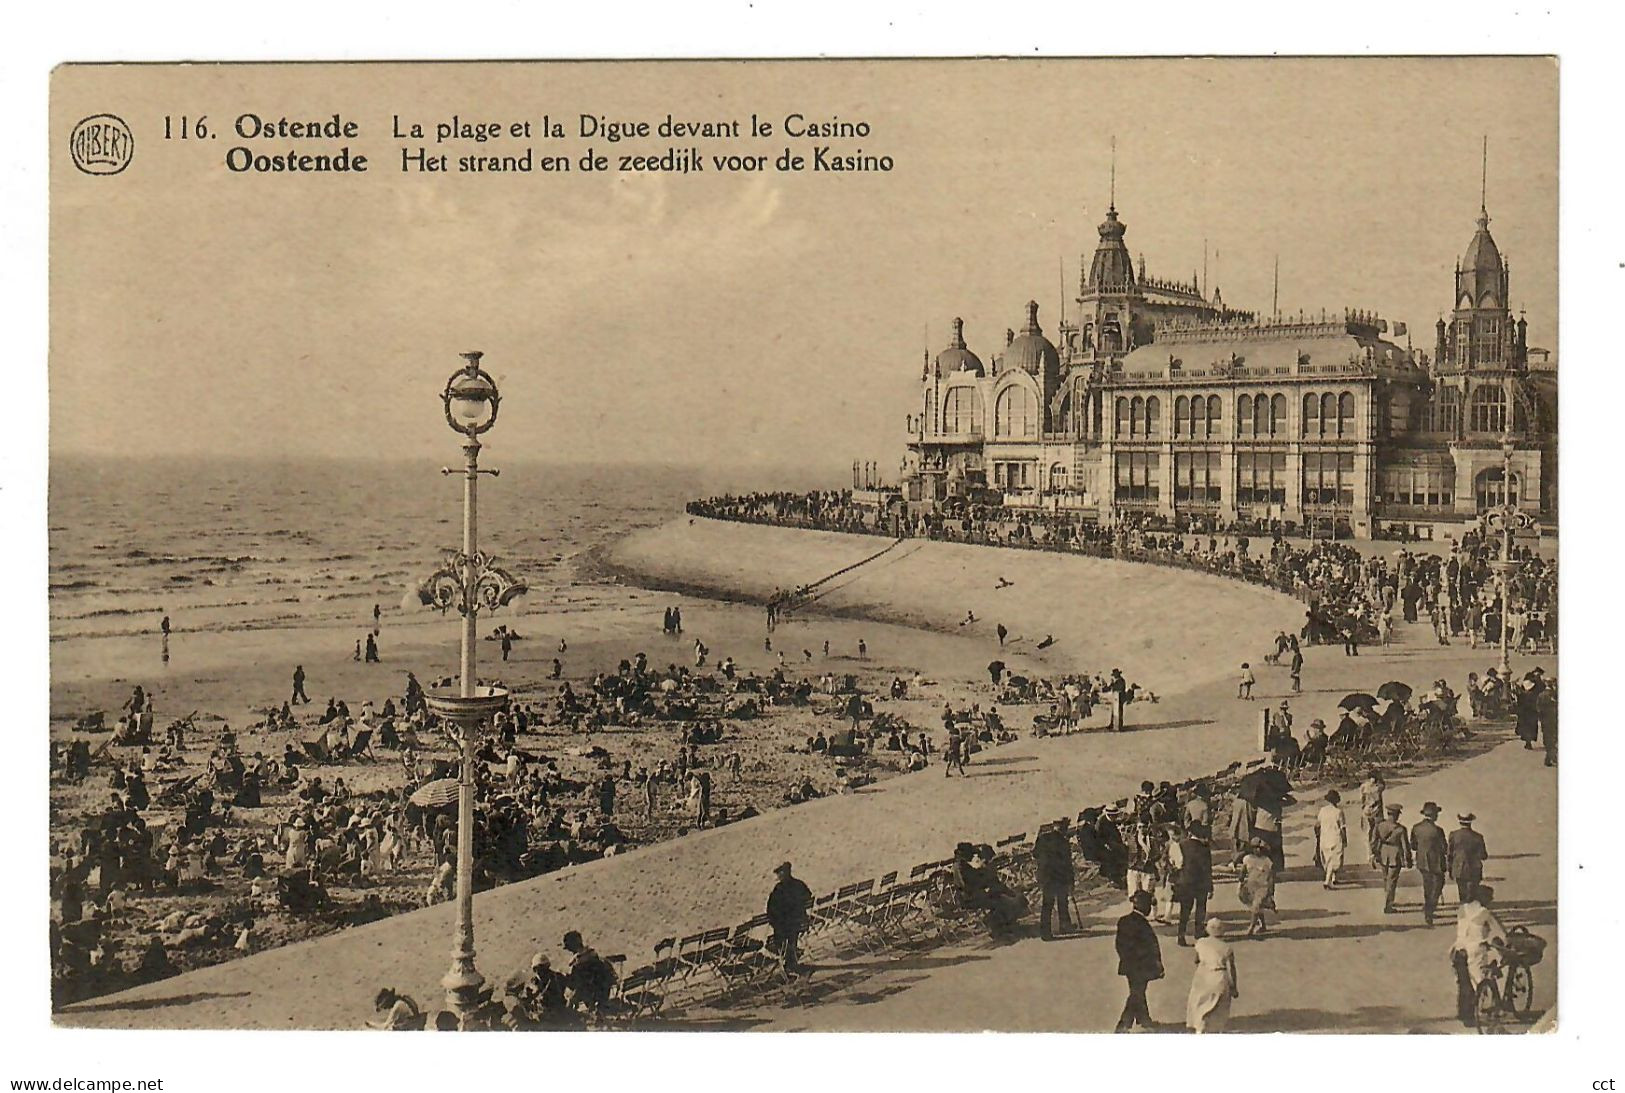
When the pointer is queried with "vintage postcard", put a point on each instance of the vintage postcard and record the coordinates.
(899, 545)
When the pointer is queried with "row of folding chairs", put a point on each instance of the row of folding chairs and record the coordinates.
(870, 916)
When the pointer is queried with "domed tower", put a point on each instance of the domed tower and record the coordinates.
(1111, 270)
(1034, 354)
(1481, 334)
(957, 358)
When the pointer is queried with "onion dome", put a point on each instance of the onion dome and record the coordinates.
(956, 358)
(1030, 351)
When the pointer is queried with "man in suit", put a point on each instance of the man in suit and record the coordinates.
(1429, 848)
(1466, 854)
(1193, 881)
(1393, 848)
(1139, 960)
(1052, 855)
(787, 908)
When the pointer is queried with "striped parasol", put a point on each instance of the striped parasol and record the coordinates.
(442, 791)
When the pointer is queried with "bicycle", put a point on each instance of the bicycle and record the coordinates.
(1496, 1005)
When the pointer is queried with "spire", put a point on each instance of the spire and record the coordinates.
(1113, 191)
(1032, 326)
(957, 339)
(1484, 182)
(1275, 296)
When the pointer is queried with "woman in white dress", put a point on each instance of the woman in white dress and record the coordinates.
(1333, 835)
(1214, 985)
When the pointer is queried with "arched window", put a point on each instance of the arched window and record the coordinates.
(1311, 415)
(1016, 413)
(1057, 477)
(1136, 417)
(1184, 424)
(1328, 414)
(1244, 416)
(1214, 412)
(1345, 414)
(1199, 422)
(1278, 416)
(1153, 417)
(1122, 417)
(1487, 413)
(959, 411)
(1447, 415)
(1490, 487)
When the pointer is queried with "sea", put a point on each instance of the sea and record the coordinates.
(247, 543)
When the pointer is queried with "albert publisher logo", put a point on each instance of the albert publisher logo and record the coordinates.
(102, 145)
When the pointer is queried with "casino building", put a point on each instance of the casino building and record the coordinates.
(1162, 400)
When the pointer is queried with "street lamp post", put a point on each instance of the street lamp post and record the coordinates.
(468, 581)
(1509, 515)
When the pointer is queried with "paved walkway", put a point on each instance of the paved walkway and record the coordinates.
(1332, 963)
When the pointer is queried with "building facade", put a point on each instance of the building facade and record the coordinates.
(1162, 401)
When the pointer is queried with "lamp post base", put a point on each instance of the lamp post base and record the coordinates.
(462, 982)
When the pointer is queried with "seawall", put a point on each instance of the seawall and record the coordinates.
(1169, 629)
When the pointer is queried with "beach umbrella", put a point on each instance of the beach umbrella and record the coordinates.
(1350, 701)
(435, 794)
(1395, 690)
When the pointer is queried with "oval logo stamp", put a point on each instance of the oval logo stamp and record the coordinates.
(102, 144)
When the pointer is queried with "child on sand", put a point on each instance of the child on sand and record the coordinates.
(1244, 688)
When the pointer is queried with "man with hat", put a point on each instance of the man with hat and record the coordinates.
(1052, 858)
(1393, 853)
(1432, 858)
(1466, 854)
(1139, 960)
(1371, 809)
(787, 916)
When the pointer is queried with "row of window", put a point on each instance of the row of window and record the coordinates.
(1261, 477)
(1486, 411)
(1015, 412)
(1324, 415)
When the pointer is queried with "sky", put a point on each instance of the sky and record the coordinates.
(736, 320)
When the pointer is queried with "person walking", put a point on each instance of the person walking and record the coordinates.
(1214, 986)
(299, 694)
(1466, 854)
(1332, 837)
(507, 643)
(1193, 882)
(1052, 858)
(1393, 849)
(649, 797)
(1139, 960)
(787, 908)
(1432, 858)
(1296, 669)
(1371, 811)
(1244, 685)
(1257, 885)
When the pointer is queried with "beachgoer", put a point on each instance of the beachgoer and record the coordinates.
(299, 694)
(1332, 837)
(787, 907)
(1139, 960)
(1213, 987)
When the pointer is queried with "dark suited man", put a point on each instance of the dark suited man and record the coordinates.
(1432, 858)
(1393, 846)
(1052, 855)
(1466, 857)
(787, 915)
(1193, 882)
(1139, 960)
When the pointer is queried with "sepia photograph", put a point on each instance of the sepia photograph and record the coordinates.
(1047, 545)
